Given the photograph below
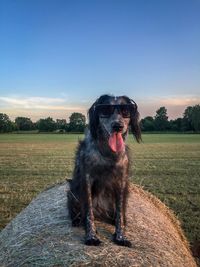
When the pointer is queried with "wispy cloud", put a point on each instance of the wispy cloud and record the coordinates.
(175, 104)
(32, 102)
(180, 100)
(40, 107)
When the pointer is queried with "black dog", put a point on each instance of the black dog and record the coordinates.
(99, 187)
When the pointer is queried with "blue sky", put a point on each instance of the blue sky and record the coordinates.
(58, 56)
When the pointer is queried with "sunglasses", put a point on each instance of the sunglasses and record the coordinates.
(106, 110)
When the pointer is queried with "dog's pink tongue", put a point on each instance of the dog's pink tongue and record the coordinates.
(116, 142)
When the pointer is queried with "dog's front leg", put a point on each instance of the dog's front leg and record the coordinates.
(119, 237)
(91, 238)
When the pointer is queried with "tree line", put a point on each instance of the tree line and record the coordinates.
(190, 122)
(77, 123)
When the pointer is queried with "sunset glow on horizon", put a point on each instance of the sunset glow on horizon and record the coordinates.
(60, 108)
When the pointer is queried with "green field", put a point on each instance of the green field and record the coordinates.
(167, 165)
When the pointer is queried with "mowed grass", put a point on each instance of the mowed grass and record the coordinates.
(168, 165)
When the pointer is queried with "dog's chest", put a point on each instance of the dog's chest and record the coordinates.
(99, 166)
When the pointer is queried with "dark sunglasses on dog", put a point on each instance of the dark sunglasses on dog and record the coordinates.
(106, 110)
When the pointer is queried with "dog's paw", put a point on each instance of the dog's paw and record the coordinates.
(121, 241)
(92, 241)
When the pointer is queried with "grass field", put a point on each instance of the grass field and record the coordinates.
(167, 165)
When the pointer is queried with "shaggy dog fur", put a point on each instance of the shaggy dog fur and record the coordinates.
(99, 187)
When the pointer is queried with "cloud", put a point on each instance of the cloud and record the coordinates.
(32, 102)
(42, 107)
(175, 104)
(180, 101)
(39, 107)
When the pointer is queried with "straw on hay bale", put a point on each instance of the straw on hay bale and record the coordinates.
(41, 235)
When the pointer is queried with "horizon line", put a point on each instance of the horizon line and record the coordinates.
(60, 107)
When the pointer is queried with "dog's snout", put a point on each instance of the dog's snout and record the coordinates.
(117, 126)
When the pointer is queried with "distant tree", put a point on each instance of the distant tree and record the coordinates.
(5, 123)
(46, 125)
(34, 125)
(191, 118)
(61, 124)
(176, 125)
(187, 119)
(23, 123)
(161, 119)
(148, 124)
(77, 122)
(196, 118)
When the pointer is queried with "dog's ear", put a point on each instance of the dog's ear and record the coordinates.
(93, 115)
(134, 122)
(93, 120)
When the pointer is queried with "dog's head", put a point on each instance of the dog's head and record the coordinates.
(110, 118)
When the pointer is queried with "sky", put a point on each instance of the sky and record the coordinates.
(59, 56)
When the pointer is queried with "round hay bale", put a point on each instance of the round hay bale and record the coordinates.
(41, 235)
